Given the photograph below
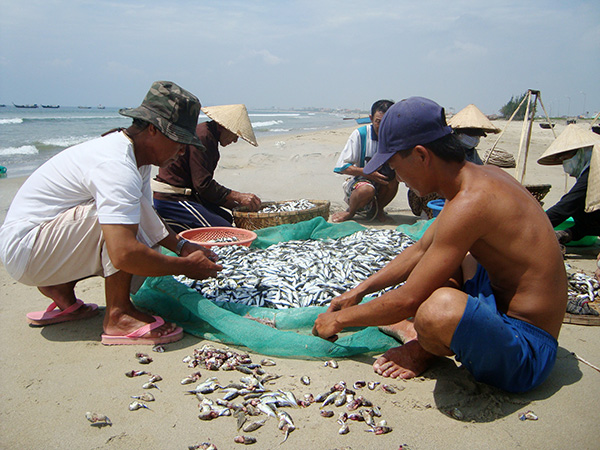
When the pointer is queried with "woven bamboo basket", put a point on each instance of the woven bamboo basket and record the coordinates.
(419, 204)
(256, 220)
(539, 191)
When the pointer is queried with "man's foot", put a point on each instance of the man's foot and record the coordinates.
(403, 331)
(341, 216)
(406, 361)
(54, 314)
(382, 217)
(116, 324)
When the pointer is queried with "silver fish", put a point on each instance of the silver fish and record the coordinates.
(254, 426)
(97, 419)
(147, 397)
(299, 273)
(135, 405)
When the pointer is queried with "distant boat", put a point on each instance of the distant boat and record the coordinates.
(84, 107)
(359, 120)
(26, 106)
(101, 107)
(51, 106)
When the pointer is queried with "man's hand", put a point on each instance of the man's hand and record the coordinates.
(345, 300)
(377, 177)
(249, 200)
(200, 265)
(191, 247)
(326, 327)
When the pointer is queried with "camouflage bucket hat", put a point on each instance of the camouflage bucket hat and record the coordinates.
(171, 109)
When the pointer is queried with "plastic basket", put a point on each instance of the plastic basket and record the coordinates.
(436, 206)
(219, 236)
(257, 220)
(539, 191)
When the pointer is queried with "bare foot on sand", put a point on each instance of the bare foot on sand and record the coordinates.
(406, 361)
(341, 216)
(402, 331)
(382, 217)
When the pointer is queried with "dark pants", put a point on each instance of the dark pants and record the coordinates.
(185, 215)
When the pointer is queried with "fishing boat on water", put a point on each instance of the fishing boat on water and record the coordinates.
(359, 120)
(101, 107)
(51, 106)
(26, 106)
(84, 107)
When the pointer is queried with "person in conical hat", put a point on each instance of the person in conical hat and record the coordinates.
(577, 150)
(87, 212)
(469, 125)
(186, 195)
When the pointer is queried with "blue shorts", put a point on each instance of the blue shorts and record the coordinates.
(500, 350)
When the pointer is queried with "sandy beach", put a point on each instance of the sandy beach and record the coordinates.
(52, 376)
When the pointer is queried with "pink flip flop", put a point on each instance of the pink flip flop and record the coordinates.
(54, 315)
(137, 336)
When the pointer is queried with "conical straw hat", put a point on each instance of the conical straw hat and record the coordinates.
(472, 117)
(234, 118)
(572, 138)
(592, 195)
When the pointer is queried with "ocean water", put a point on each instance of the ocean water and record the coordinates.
(29, 137)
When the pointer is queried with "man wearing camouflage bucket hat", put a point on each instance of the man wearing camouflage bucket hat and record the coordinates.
(88, 211)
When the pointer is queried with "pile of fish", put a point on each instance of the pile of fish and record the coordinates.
(294, 205)
(583, 289)
(255, 400)
(299, 273)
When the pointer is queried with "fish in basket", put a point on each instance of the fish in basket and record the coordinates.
(272, 214)
(219, 236)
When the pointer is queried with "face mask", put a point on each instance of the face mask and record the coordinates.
(575, 165)
(468, 141)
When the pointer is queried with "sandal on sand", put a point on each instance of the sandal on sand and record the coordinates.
(372, 211)
(137, 336)
(54, 315)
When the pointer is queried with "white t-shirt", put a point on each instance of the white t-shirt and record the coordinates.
(356, 153)
(102, 170)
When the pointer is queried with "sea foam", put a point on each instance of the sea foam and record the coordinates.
(11, 121)
(23, 150)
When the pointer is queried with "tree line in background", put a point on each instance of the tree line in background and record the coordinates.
(509, 108)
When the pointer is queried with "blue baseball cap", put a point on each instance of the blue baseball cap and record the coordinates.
(408, 123)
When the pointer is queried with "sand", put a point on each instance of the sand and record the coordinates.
(50, 377)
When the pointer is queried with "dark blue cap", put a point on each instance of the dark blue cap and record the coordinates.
(408, 123)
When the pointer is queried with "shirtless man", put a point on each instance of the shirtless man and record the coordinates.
(485, 283)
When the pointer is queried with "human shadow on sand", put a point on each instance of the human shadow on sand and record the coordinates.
(457, 395)
(460, 397)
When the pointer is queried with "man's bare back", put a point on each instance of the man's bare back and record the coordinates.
(516, 246)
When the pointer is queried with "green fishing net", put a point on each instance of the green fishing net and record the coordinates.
(292, 337)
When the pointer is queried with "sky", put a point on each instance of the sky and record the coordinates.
(304, 53)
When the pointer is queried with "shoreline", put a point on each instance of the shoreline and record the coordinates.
(53, 375)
